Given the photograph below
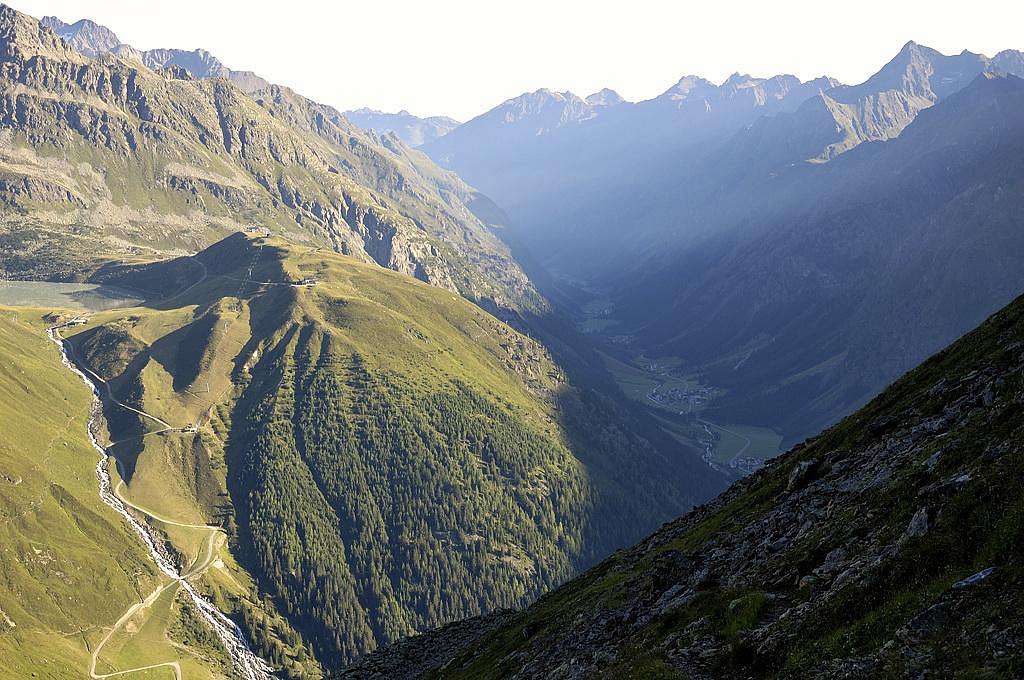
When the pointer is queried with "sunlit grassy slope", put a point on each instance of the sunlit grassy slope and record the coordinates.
(69, 566)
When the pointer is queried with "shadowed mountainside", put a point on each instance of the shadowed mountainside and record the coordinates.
(889, 546)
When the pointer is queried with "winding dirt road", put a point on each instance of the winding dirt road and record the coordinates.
(247, 664)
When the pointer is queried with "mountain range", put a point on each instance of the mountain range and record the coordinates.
(93, 40)
(293, 392)
(411, 129)
(107, 156)
(762, 232)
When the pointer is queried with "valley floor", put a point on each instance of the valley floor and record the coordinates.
(675, 396)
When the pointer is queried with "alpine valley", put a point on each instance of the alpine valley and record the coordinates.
(287, 392)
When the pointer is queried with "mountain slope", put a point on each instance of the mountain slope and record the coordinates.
(413, 457)
(817, 305)
(803, 255)
(889, 546)
(105, 157)
(883, 105)
(594, 196)
(412, 130)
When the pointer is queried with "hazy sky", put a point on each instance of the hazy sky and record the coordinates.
(461, 57)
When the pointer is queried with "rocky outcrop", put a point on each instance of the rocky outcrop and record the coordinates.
(416, 656)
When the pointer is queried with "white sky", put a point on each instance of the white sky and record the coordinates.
(460, 57)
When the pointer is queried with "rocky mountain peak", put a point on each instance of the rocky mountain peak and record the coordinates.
(93, 40)
(84, 36)
(738, 79)
(411, 129)
(198, 62)
(921, 72)
(605, 97)
(688, 86)
(22, 37)
(546, 107)
(1009, 61)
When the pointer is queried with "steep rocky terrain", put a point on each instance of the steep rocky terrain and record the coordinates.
(104, 156)
(414, 458)
(888, 546)
(93, 40)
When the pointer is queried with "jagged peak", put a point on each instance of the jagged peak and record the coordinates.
(909, 47)
(55, 24)
(85, 36)
(690, 81)
(554, 94)
(1009, 61)
(738, 78)
(920, 71)
(540, 96)
(687, 85)
(825, 82)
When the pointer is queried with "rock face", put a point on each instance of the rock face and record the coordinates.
(882, 106)
(93, 40)
(84, 36)
(889, 546)
(106, 156)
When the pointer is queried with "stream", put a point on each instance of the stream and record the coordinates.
(247, 664)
